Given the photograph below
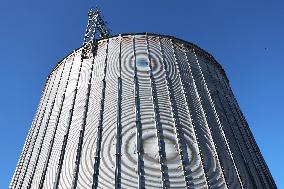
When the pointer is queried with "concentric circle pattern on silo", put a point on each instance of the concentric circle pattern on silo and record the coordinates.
(140, 111)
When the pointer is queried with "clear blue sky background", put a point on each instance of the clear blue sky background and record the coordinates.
(245, 36)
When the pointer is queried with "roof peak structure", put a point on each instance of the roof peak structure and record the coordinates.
(96, 25)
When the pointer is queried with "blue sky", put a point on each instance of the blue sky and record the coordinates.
(246, 37)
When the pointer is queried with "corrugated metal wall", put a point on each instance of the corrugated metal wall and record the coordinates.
(141, 111)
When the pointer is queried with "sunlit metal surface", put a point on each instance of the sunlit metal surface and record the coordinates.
(140, 111)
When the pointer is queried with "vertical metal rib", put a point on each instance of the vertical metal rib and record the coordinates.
(217, 118)
(251, 141)
(239, 148)
(138, 124)
(179, 132)
(82, 131)
(242, 135)
(118, 127)
(29, 138)
(55, 129)
(65, 140)
(100, 127)
(118, 139)
(45, 127)
(36, 136)
(159, 130)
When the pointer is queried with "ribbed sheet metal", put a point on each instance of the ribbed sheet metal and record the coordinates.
(108, 144)
(140, 111)
(128, 116)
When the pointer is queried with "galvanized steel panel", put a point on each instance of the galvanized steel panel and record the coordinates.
(140, 111)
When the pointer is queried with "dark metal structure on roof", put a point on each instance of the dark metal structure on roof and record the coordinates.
(139, 111)
(96, 25)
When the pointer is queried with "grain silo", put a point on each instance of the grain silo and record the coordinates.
(139, 110)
